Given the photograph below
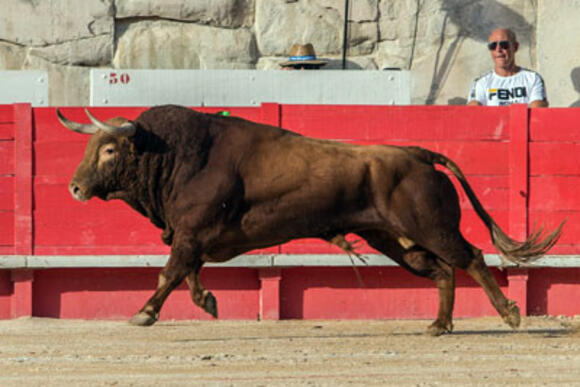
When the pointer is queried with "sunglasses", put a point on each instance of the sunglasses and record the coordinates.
(306, 67)
(503, 44)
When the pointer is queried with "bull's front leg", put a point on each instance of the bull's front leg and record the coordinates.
(176, 269)
(199, 295)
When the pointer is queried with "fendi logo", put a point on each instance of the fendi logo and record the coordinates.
(506, 94)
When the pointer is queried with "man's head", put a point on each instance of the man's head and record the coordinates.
(302, 57)
(502, 45)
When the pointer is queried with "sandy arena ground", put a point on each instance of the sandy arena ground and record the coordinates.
(545, 351)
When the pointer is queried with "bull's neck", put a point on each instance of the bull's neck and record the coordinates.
(146, 194)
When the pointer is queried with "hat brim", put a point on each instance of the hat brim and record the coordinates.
(292, 63)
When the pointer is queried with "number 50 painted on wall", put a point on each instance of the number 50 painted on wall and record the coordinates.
(122, 78)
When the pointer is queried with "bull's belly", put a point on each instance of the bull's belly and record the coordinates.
(257, 231)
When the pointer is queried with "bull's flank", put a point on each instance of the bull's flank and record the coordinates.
(220, 186)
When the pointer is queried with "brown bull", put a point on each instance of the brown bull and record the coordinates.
(221, 186)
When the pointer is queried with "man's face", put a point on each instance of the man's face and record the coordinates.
(503, 51)
(303, 67)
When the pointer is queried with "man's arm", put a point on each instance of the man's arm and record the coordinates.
(538, 93)
(475, 96)
(539, 103)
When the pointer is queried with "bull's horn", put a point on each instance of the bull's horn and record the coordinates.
(75, 126)
(127, 129)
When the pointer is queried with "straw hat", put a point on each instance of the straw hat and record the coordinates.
(302, 54)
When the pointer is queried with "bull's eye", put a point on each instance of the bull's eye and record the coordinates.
(108, 150)
(107, 153)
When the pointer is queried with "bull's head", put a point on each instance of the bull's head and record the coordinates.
(106, 159)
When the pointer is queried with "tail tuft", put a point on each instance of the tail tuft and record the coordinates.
(522, 253)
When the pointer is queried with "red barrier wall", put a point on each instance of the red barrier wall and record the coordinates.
(521, 163)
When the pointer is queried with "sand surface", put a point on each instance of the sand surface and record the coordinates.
(481, 351)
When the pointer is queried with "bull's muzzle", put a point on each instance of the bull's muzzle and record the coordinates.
(76, 192)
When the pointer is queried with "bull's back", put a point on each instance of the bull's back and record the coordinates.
(289, 163)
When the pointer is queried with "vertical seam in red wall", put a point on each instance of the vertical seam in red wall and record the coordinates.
(518, 171)
(23, 136)
(271, 114)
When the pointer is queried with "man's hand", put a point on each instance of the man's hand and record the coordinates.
(539, 103)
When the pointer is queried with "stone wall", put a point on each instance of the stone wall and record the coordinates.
(442, 42)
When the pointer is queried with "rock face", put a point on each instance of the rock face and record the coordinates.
(163, 44)
(442, 42)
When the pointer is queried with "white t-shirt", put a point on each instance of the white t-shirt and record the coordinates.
(494, 90)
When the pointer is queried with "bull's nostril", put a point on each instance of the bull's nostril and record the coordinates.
(74, 189)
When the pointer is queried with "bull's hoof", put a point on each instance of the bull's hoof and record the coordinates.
(513, 317)
(438, 328)
(142, 319)
(210, 305)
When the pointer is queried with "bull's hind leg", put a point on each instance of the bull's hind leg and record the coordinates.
(199, 295)
(170, 277)
(462, 254)
(425, 264)
(446, 287)
(507, 309)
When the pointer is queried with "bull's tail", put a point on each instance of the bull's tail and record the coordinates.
(536, 245)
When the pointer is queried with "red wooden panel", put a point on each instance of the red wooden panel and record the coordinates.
(308, 293)
(7, 227)
(6, 193)
(335, 293)
(119, 293)
(565, 248)
(5, 293)
(23, 175)
(59, 158)
(6, 113)
(150, 249)
(554, 158)
(62, 221)
(6, 131)
(554, 292)
(6, 157)
(381, 123)
(554, 124)
(550, 219)
(551, 193)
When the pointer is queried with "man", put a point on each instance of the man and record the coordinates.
(507, 83)
(302, 57)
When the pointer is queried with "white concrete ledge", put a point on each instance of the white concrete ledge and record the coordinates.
(250, 261)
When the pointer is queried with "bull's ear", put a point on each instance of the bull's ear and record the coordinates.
(127, 129)
(75, 126)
